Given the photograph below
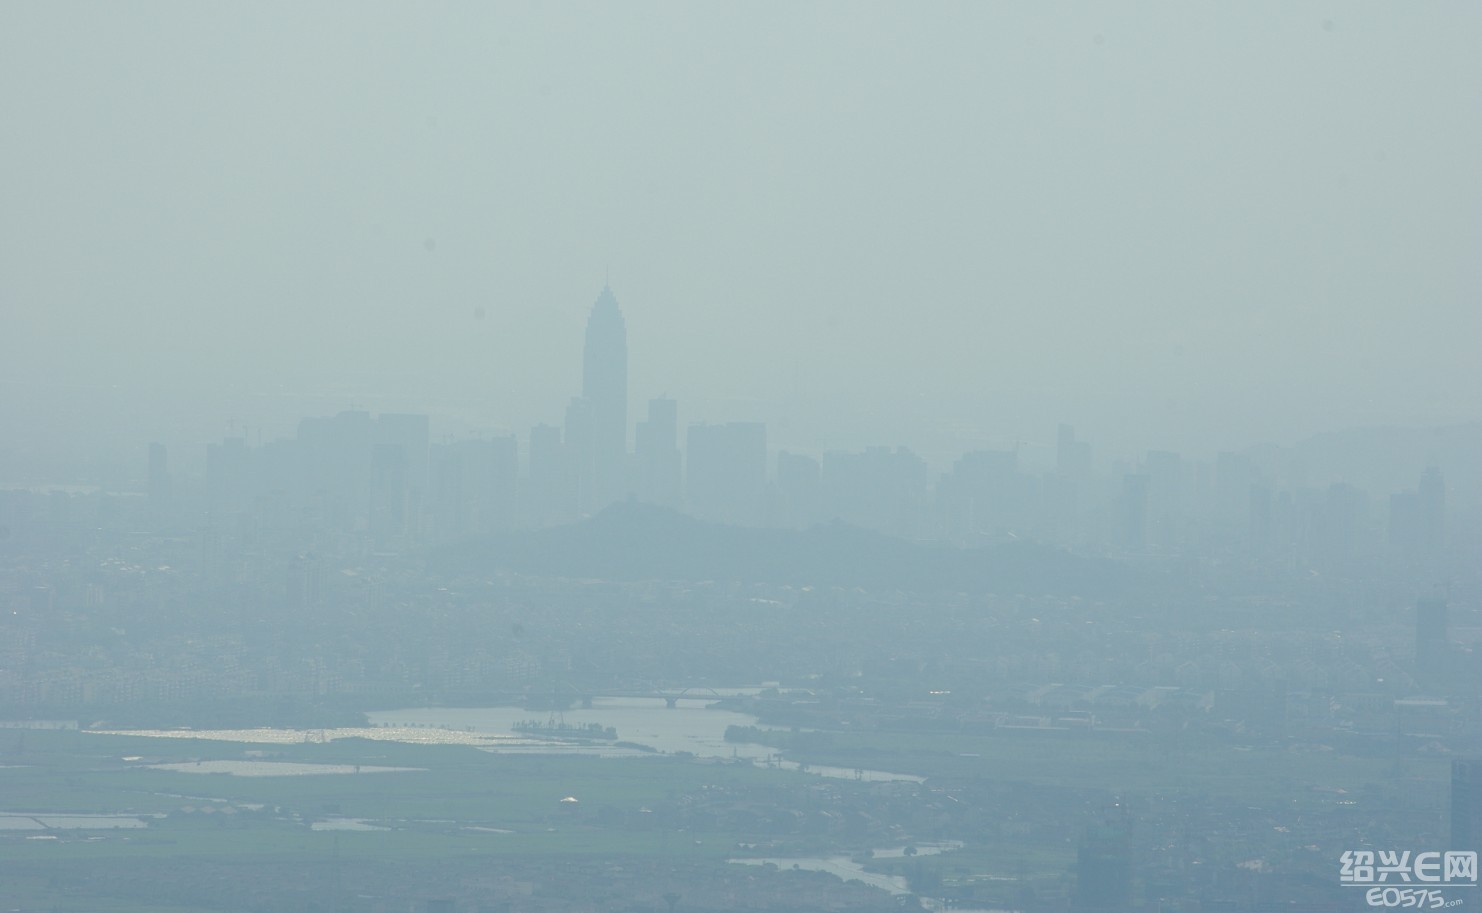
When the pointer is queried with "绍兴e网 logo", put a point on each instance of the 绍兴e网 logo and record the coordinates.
(1407, 879)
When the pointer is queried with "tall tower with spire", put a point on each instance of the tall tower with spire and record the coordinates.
(604, 386)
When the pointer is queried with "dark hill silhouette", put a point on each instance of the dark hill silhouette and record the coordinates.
(642, 542)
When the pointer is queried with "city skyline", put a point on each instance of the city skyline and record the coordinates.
(602, 457)
(612, 457)
(387, 476)
(969, 227)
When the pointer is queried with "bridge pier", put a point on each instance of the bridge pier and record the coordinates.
(671, 702)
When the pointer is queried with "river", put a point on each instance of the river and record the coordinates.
(691, 726)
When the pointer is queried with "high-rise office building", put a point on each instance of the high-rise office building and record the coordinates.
(159, 476)
(1072, 457)
(1104, 864)
(449, 500)
(604, 387)
(548, 494)
(388, 491)
(336, 454)
(1466, 805)
(1338, 522)
(878, 489)
(1432, 508)
(656, 446)
(1068, 489)
(578, 446)
(411, 434)
(399, 454)
(1166, 474)
(1134, 510)
(726, 471)
(983, 495)
(229, 469)
(800, 487)
(473, 487)
(1234, 475)
(495, 506)
(1417, 518)
(1261, 518)
(1430, 639)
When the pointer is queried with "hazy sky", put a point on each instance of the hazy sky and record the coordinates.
(1185, 225)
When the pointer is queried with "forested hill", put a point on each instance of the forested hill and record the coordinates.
(643, 542)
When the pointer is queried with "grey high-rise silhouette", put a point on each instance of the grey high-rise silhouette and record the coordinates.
(656, 447)
(604, 386)
(726, 471)
(1466, 804)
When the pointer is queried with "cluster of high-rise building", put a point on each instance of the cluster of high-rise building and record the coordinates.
(383, 475)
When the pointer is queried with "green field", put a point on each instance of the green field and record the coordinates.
(426, 810)
(462, 804)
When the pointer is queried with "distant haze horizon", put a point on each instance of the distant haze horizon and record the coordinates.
(1176, 228)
